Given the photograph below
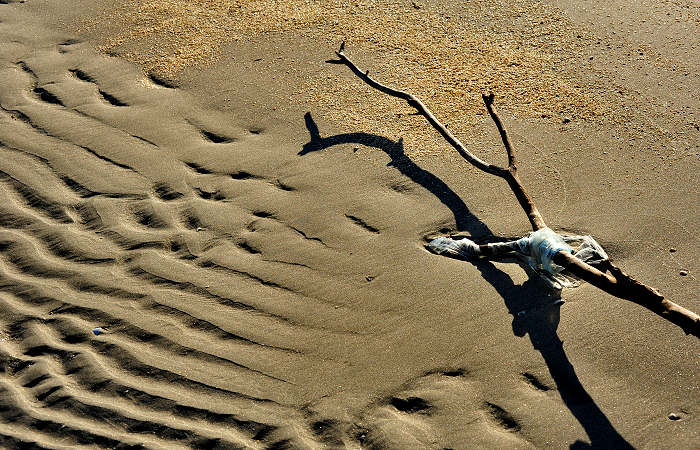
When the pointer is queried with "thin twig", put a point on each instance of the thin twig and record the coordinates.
(488, 101)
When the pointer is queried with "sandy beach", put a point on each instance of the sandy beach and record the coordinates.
(212, 238)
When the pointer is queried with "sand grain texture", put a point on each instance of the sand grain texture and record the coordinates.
(252, 251)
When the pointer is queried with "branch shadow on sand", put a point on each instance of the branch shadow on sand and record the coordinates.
(535, 309)
(464, 219)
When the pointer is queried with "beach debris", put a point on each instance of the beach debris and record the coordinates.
(98, 331)
(605, 276)
(672, 250)
(535, 250)
(674, 416)
(684, 273)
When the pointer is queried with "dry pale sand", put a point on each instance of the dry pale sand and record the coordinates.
(244, 225)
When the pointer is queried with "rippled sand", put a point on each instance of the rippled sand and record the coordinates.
(218, 242)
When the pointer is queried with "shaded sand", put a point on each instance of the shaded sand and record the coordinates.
(251, 256)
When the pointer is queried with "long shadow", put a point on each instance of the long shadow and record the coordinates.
(535, 311)
(464, 219)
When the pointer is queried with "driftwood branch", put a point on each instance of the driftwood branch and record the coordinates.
(612, 280)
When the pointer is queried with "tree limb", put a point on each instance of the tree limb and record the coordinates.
(422, 110)
(616, 282)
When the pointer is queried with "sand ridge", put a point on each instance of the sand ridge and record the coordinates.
(134, 310)
(86, 194)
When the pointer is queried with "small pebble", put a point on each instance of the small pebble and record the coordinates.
(98, 331)
(369, 278)
(672, 250)
(566, 120)
(673, 416)
(683, 273)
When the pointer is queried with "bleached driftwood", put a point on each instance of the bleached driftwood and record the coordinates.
(610, 278)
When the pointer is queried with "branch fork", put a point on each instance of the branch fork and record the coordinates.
(610, 279)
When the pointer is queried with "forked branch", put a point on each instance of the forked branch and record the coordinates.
(612, 280)
(509, 174)
(422, 110)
